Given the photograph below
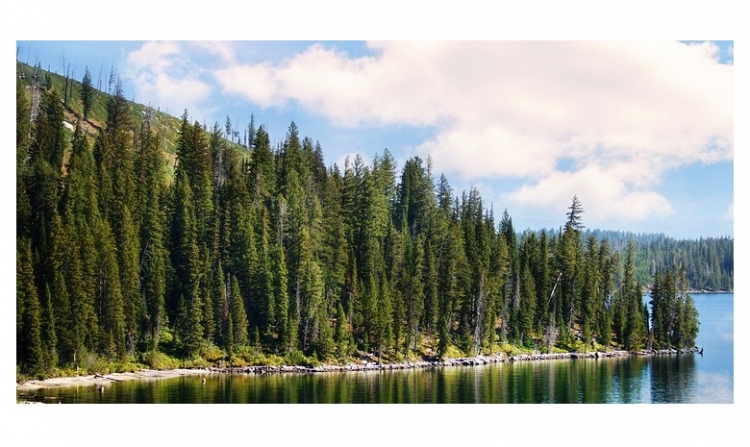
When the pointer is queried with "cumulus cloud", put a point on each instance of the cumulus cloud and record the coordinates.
(319, 79)
(608, 197)
(223, 49)
(602, 118)
(164, 74)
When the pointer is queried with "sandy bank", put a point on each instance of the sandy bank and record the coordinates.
(99, 380)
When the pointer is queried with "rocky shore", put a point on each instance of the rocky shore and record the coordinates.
(365, 365)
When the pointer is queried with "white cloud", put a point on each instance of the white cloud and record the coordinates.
(255, 83)
(607, 197)
(163, 74)
(223, 49)
(490, 151)
(623, 112)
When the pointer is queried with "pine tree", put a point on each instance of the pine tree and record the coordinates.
(333, 250)
(607, 268)
(87, 94)
(49, 332)
(186, 262)
(287, 333)
(394, 262)
(115, 158)
(689, 323)
(659, 323)
(637, 323)
(251, 132)
(207, 304)
(152, 252)
(43, 182)
(633, 331)
(84, 222)
(574, 215)
(543, 276)
(591, 290)
(310, 291)
(414, 292)
(29, 350)
(134, 310)
(528, 304)
(571, 265)
(49, 138)
(511, 290)
(238, 315)
(109, 299)
(23, 140)
(263, 279)
(57, 305)
(384, 317)
(324, 343)
(342, 334)
(23, 124)
(261, 176)
(222, 295)
(674, 318)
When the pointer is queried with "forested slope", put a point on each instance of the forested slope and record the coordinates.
(135, 241)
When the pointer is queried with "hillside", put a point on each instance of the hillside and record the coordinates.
(36, 80)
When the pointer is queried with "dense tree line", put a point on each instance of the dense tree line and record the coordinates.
(269, 247)
(708, 263)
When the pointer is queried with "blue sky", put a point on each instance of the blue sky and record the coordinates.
(640, 131)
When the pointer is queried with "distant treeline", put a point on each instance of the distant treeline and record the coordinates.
(708, 262)
(119, 255)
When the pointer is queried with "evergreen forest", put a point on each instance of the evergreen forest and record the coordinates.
(145, 239)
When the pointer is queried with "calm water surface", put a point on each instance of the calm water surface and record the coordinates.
(686, 378)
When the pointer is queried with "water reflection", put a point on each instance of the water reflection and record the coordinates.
(672, 378)
(686, 378)
(712, 388)
(617, 380)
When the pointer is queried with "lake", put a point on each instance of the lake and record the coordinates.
(681, 378)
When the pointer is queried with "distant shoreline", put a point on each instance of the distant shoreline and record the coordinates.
(701, 292)
(706, 292)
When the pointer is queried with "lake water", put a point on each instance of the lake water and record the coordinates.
(684, 378)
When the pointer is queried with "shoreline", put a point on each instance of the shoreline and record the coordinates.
(709, 292)
(99, 380)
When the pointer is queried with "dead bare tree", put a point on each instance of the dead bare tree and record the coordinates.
(551, 332)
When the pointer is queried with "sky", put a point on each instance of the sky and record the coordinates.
(554, 103)
(640, 131)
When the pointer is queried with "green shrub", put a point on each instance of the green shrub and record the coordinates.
(212, 353)
(493, 349)
(237, 362)
(298, 358)
(128, 366)
(158, 360)
(452, 352)
(92, 364)
(196, 362)
(509, 350)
